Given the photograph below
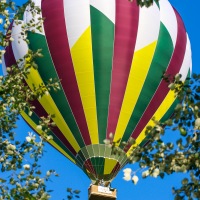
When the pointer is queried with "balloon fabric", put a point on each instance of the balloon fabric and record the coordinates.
(109, 57)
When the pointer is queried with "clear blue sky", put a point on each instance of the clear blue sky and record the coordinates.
(150, 188)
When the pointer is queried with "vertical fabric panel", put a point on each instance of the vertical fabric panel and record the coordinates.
(146, 32)
(146, 44)
(159, 64)
(102, 29)
(10, 60)
(59, 96)
(56, 144)
(57, 40)
(186, 62)
(126, 26)
(79, 36)
(162, 90)
(109, 165)
(82, 53)
(168, 18)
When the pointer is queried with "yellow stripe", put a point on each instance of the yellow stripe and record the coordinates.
(82, 53)
(33, 125)
(48, 104)
(139, 69)
(109, 165)
(160, 112)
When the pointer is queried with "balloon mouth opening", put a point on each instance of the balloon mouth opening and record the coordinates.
(99, 163)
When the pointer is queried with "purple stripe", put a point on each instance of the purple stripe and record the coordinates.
(173, 68)
(126, 27)
(9, 55)
(56, 35)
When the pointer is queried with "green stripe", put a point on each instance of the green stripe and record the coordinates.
(82, 156)
(102, 30)
(85, 152)
(170, 111)
(161, 59)
(166, 116)
(98, 164)
(157, 3)
(90, 151)
(47, 70)
(101, 163)
(79, 160)
(96, 153)
(36, 120)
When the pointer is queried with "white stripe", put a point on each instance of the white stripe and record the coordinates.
(187, 61)
(19, 46)
(149, 25)
(168, 18)
(77, 19)
(189, 50)
(28, 17)
(107, 7)
(3, 66)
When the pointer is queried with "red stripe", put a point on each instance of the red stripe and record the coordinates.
(39, 110)
(126, 27)
(173, 68)
(88, 165)
(56, 35)
(115, 170)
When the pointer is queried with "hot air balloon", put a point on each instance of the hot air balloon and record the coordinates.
(109, 56)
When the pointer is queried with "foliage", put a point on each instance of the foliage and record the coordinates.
(19, 159)
(145, 3)
(159, 158)
(72, 193)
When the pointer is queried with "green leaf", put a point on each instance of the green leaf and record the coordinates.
(38, 172)
(2, 180)
(185, 181)
(162, 175)
(69, 190)
(169, 122)
(77, 191)
(183, 131)
(50, 191)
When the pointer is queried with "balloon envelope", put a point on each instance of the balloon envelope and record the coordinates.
(109, 57)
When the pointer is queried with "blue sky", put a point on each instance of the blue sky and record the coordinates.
(150, 188)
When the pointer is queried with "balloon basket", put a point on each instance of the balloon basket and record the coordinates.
(96, 192)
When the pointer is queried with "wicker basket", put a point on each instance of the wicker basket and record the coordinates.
(96, 192)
